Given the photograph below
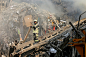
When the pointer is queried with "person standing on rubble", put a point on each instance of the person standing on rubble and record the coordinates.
(35, 31)
(49, 25)
(53, 25)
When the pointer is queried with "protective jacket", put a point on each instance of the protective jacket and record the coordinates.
(35, 32)
(36, 28)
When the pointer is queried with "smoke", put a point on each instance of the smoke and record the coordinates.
(76, 6)
(73, 7)
(81, 5)
(46, 5)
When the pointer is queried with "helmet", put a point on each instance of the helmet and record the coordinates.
(48, 20)
(35, 20)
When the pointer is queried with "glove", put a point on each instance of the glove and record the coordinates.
(30, 26)
(34, 28)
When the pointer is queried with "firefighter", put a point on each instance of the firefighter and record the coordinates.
(49, 25)
(53, 25)
(35, 31)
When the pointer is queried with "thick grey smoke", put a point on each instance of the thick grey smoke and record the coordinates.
(76, 5)
(49, 6)
(46, 5)
(81, 5)
(73, 7)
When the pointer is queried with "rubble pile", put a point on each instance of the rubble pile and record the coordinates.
(12, 17)
(10, 20)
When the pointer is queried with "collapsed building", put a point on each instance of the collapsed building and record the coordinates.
(12, 15)
(12, 20)
(15, 13)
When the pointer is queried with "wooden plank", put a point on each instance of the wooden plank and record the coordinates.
(24, 44)
(32, 41)
(28, 20)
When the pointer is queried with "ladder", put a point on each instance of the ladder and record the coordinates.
(24, 47)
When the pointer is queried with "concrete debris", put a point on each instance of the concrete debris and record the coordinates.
(12, 19)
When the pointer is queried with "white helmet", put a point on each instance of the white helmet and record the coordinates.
(35, 20)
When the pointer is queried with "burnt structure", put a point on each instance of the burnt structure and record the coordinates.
(58, 40)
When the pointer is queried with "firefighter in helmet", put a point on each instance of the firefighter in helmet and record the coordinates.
(35, 31)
